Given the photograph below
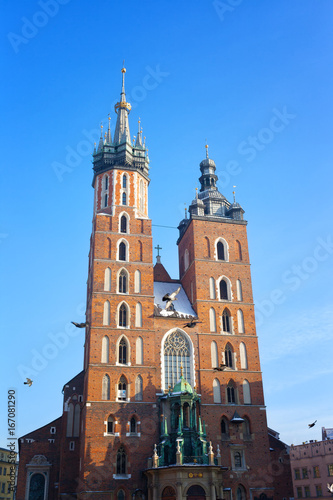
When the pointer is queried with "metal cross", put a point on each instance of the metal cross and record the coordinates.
(158, 248)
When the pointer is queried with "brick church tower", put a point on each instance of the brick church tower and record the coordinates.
(169, 404)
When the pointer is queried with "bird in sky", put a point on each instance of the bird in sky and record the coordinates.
(192, 323)
(311, 425)
(80, 325)
(28, 382)
(170, 297)
(220, 368)
(330, 487)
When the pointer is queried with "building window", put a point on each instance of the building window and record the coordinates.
(186, 259)
(243, 356)
(122, 352)
(106, 182)
(216, 391)
(107, 280)
(207, 247)
(71, 445)
(240, 321)
(224, 428)
(231, 396)
(307, 491)
(239, 250)
(124, 198)
(221, 248)
(52, 430)
(177, 353)
(123, 316)
(122, 389)
(137, 282)
(110, 425)
(246, 392)
(133, 429)
(226, 321)
(105, 350)
(120, 495)
(121, 461)
(238, 460)
(214, 354)
(122, 251)
(139, 351)
(316, 472)
(305, 473)
(299, 492)
(212, 319)
(330, 469)
(211, 288)
(241, 494)
(138, 315)
(106, 313)
(122, 282)
(123, 224)
(138, 388)
(228, 356)
(106, 388)
(239, 290)
(224, 293)
(105, 200)
(297, 474)
(319, 491)
(124, 181)
(36, 486)
(140, 251)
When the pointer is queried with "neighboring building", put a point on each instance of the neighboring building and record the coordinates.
(164, 408)
(327, 433)
(8, 474)
(312, 469)
(280, 467)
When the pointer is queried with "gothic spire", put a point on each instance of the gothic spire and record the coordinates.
(122, 108)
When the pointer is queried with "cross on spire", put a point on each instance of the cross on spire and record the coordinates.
(158, 248)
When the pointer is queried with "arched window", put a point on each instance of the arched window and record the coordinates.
(212, 319)
(122, 352)
(138, 388)
(123, 281)
(231, 393)
(214, 354)
(70, 420)
(106, 388)
(239, 290)
(168, 493)
(139, 351)
(186, 259)
(216, 391)
(241, 494)
(212, 288)
(37, 486)
(243, 356)
(246, 392)
(228, 356)
(224, 427)
(196, 491)
(226, 321)
(76, 428)
(110, 425)
(121, 495)
(105, 350)
(121, 461)
(238, 460)
(106, 313)
(177, 352)
(123, 315)
(124, 181)
(122, 251)
(220, 251)
(124, 199)
(224, 292)
(137, 282)
(240, 321)
(138, 315)
(239, 250)
(123, 224)
(106, 182)
(107, 280)
(246, 428)
(207, 247)
(133, 424)
(122, 389)
(140, 251)
(108, 248)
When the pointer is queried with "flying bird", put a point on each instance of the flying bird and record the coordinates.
(80, 325)
(28, 382)
(192, 323)
(330, 487)
(311, 425)
(220, 368)
(170, 297)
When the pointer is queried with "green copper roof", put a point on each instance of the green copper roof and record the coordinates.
(182, 386)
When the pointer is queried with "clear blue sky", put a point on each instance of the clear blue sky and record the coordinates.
(254, 78)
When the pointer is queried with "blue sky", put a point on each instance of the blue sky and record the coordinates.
(255, 80)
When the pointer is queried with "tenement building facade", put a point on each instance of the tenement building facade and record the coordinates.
(169, 404)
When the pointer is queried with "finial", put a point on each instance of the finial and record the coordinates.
(181, 370)
(101, 129)
(185, 211)
(123, 70)
(234, 193)
(139, 121)
(196, 193)
(207, 155)
(133, 140)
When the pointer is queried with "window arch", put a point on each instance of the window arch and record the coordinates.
(216, 391)
(70, 420)
(120, 495)
(177, 351)
(224, 427)
(207, 247)
(138, 315)
(168, 493)
(123, 315)
(246, 392)
(231, 393)
(240, 321)
(124, 199)
(107, 280)
(110, 429)
(226, 321)
(138, 388)
(239, 290)
(121, 461)
(222, 250)
(229, 356)
(133, 426)
(212, 319)
(106, 313)
(238, 461)
(137, 281)
(123, 352)
(241, 493)
(106, 388)
(123, 281)
(124, 181)
(76, 427)
(123, 224)
(123, 250)
(243, 356)
(214, 354)
(186, 259)
(139, 351)
(225, 289)
(122, 389)
(105, 349)
(239, 250)
(212, 288)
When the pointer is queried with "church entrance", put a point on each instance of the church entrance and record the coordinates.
(168, 493)
(196, 492)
